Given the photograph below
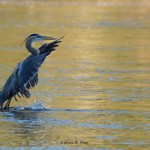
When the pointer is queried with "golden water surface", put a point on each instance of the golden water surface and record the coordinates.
(95, 85)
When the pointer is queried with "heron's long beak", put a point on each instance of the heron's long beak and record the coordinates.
(49, 38)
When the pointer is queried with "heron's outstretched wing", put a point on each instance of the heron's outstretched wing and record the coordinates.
(48, 48)
(28, 69)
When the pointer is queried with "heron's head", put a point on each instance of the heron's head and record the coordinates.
(36, 38)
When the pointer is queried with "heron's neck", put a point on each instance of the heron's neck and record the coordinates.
(30, 48)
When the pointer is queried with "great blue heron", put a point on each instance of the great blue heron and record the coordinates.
(25, 75)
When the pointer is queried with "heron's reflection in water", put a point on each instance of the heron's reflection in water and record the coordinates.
(28, 120)
(30, 126)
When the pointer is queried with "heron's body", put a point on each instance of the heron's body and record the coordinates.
(25, 75)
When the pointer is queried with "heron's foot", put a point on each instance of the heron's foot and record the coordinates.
(6, 108)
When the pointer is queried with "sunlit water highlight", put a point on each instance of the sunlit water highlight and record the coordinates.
(94, 88)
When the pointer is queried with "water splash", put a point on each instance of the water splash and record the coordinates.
(35, 106)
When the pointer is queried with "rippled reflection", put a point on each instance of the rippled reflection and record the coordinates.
(95, 86)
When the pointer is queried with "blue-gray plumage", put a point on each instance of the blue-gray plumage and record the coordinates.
(25, 75)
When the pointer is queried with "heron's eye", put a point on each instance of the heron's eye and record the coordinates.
(39, 37)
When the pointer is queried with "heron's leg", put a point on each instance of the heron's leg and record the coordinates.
(1, 106)
(7, 104)
(5, 107)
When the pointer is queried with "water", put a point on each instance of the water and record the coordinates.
(93, 91)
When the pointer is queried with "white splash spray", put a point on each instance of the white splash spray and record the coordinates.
(35, 106)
